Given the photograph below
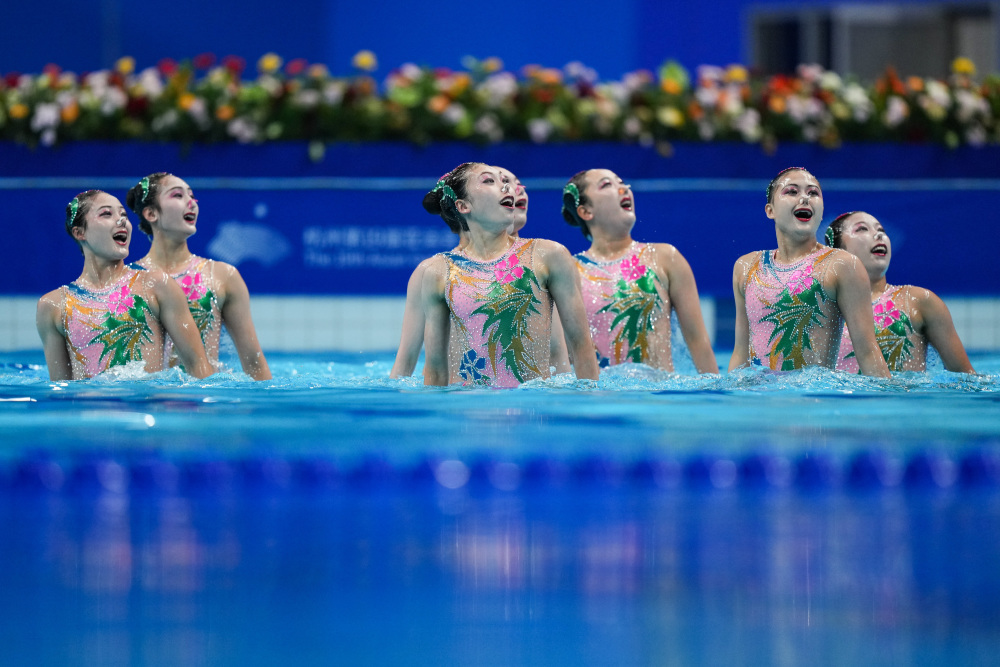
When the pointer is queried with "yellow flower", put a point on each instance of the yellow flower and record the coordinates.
(492, 64)
(671, 87)
(186, 101)
(18, 111)
(459, 83)
(269, 62)
(125, 65)
(70, 113)
(365, 60)
(318, 71)
(737, 74)
(963, 65)
(670, 116)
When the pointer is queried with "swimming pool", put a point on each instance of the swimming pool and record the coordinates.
(335, 516)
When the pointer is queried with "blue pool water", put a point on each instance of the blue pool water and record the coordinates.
(334, 516)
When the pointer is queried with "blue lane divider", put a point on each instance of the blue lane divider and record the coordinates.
(155, 473)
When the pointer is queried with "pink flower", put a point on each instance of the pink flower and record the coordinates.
(886, 314)
(192, 286)
(508, 270)
(800, 280)
(120, 301)
(632, 270)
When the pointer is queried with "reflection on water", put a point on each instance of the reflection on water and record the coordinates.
(588, 574)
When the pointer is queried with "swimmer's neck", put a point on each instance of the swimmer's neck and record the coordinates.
(483, 245)
(99, 273)
(791, 250)
(169, 255)
(879, 286)
(606, 248)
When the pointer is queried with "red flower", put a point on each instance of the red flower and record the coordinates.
(203, 60)
(296, 66)
(11, 79)
(52, 70)
(167, 66)
(136, 106)
(234, 64)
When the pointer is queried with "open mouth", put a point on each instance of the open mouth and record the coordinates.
(626, 203)
(803, 214)
(507, 202)
(120, 237)
(521, 204)
(880, 250)
(190, 217)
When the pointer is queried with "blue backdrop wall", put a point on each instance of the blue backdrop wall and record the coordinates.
(353, 224)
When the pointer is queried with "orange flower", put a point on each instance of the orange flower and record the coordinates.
(18, 111)
(438, 104)
(186, 101)
(777, 104)
(915, 83)
(549, 76)
(671, 87)
(225, 112)
(70, 113)
(695, 112)
(365, 86)
(459, 83)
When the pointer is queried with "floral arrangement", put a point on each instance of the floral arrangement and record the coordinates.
(205, 100)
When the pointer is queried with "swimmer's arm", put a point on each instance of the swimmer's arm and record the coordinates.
(436, 328)
(683, 292)
(558, 351)
(412, 338)
(853, 294)
(48, 321)
(178, 322)
(237, 318)
(939, 329)
(741, 348)
(564, 286)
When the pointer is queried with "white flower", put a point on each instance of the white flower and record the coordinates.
(113, 100)
(539, 129)
(616, 91)
(454, 113)
(976, 135)
(48, 137)
(939, 93)
(199, 112)
(810, 73)
(711, 73)
(270, 84)
(577, 70)
(333, 92)
(896, 111)
(307, 98)
(498, 88)
(748, 125)
(831, 81)
(165, 121)
(151, 82)
(46, 116)
(707, 97)
(632, 126)
(706, 130)
(243, 130)
(488, 126)
(411, 71)
(969, 105)
(633, 81)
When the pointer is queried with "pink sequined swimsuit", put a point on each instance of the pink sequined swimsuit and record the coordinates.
(902, 348)
(502, 316)
(793, 324)
(197, 281)
(627, 308)
(110, 327)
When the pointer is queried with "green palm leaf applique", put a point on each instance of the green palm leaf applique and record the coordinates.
(201, 311)
(793, 317)
(124, 336)
(894, 342)
(507, 307)
(634, 305)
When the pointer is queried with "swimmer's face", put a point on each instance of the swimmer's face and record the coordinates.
(863, 236)
(610, 200)
(490, 197)
(107, 231)
(176, 211)
(520, 200)
(796, 202)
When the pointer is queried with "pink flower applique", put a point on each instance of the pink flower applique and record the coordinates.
(886, 314)
(632, 270)
(192, 286)
(121, 300)
(800, 280)
(508, 270)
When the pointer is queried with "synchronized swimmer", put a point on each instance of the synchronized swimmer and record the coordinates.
(499, 310)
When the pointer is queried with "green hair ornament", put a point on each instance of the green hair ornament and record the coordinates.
(74, 206)
(828, 236)
(574, 192)
(144, 184)
(445, 189)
